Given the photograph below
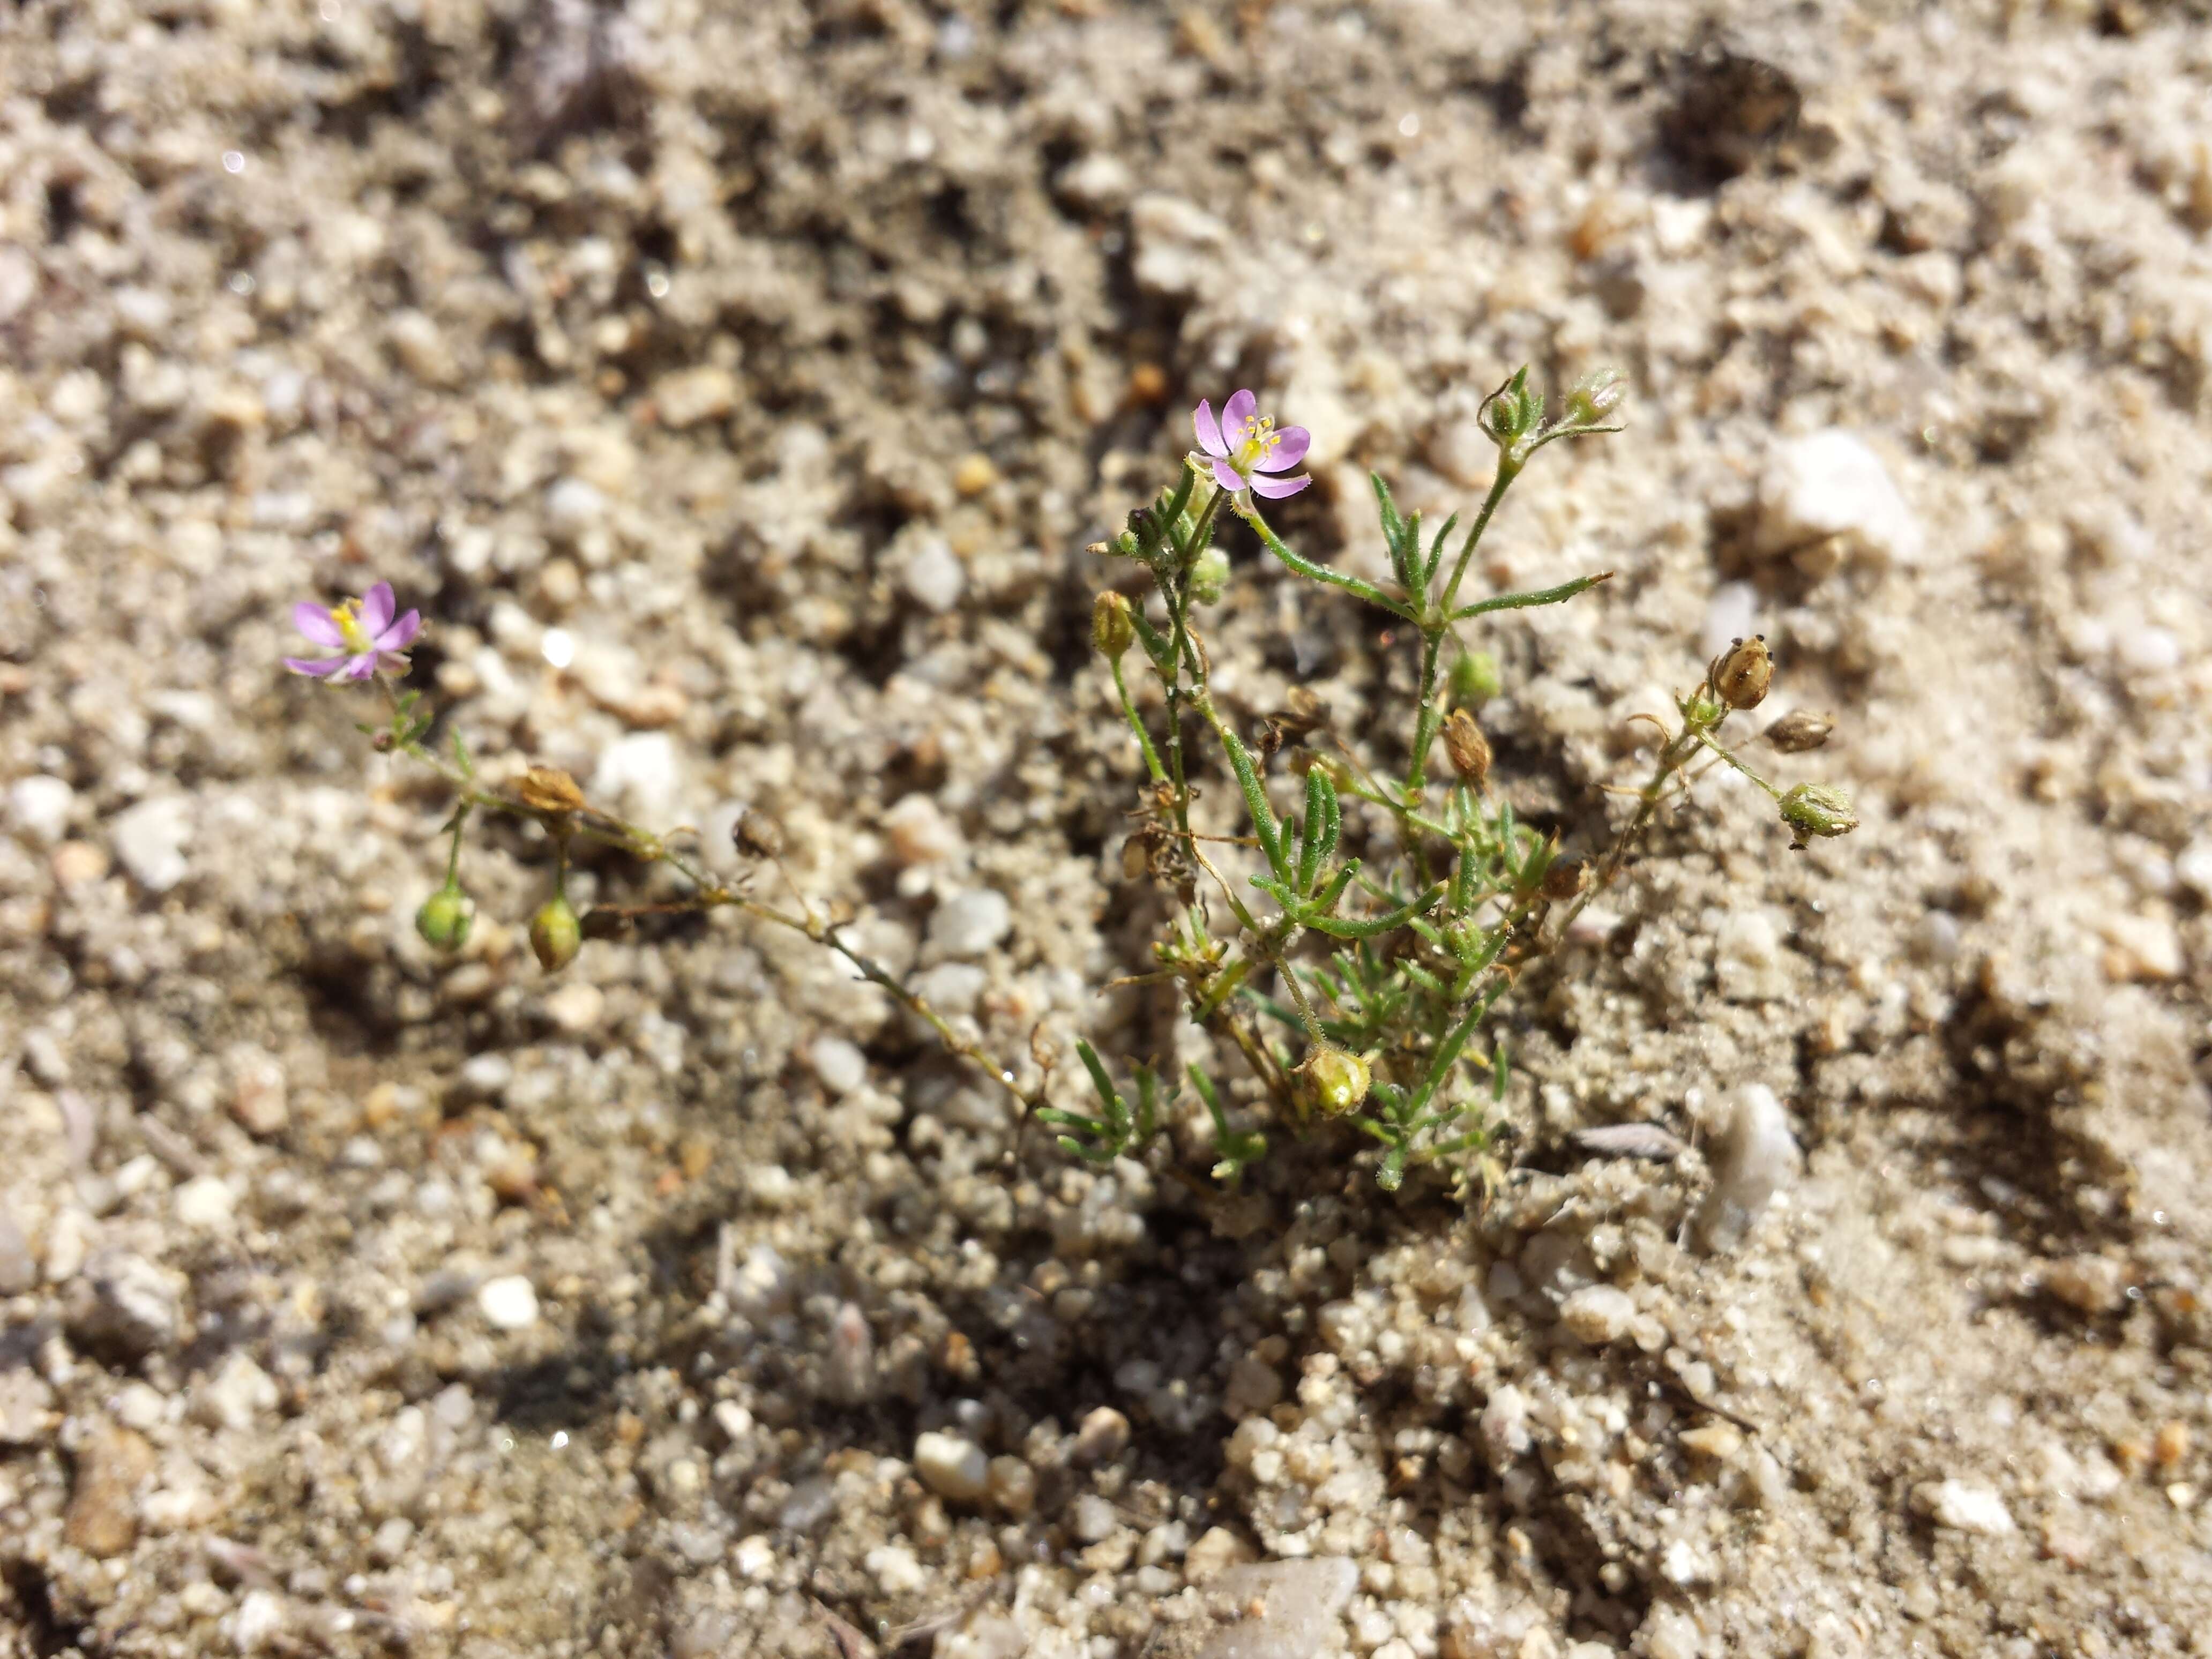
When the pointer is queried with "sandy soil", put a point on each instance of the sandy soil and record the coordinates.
(766, 367)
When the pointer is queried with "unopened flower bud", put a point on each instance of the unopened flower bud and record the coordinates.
(1742, 674)
(1475, 679)
(1795, 733)
(757, 834)
(1468, 749)
(1817, 809)
(1511, 413)
(1335, 1080)
(555, 933)
(1111, 631)
(1595, 397)
(444, 919)
(1209, 575)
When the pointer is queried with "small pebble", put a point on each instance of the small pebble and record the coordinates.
(685, 397)
(935, 577)
(1963, 1506)
(968, 923)
(102, 1518)
(973, 474)
(951, 1465)
(1598, 1314)
(236, 1396)
(1829, 484)
(150, 839)
(205, 1202)
(839, 1063)
(509, 1302)
(40, 807)
(576, 1007)
(1104, 1435)
(260, 1099)
(1754, 1157)
(1012, 1485)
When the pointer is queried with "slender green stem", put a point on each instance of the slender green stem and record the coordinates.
(1507, 471)
(1152, 767)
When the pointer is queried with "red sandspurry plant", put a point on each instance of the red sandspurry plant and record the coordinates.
(1352, 994)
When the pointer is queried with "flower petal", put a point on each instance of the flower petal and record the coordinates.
(376, 608)
(314, 670)
(1290, 446)
(1209, 429)
(396, 637)
(1237, 416)
(360, 667)
(1275, 488)
(315, 622)
(1227, 477)
(394, 662)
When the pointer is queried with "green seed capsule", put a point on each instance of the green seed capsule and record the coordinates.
(1337, 1079)
(445, 918)
(1815, 809)
(555, 933)
(1111, 631)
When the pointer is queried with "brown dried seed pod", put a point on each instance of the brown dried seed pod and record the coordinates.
(1795, 733)
(1468, 749)
(758, 835)
(1564, 878)
(1742, 674)
(549, 789)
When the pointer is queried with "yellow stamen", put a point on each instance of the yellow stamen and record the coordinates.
(348, 618)
(1258, 442)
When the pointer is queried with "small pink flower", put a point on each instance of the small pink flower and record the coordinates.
(362, 630)
(1242, 447)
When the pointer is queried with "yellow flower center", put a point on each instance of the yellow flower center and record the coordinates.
(1260, 438)
(348, 618)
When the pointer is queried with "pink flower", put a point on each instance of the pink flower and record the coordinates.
(362, 630)
(1242, 447)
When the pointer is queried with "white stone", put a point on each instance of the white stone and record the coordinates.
(1100, 181)
(1598, 1314)
(260, 1623)
(753, 1556)
(685, 397)
(840, 1065)
(40, 807)
(573, 506)
(640, 774)
(968, 923)
(576, 1007)
(951, 1465)
(935, 578)
(236, 1396)
(1831, 484)
(1754, 1157)
(1963, 1506)
(1669, 1633)
(1505, 1424)
(205, 1202)
(509, 1302)
(2192, 867)
(950, 987)
(894, 1569)
(150, 839)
